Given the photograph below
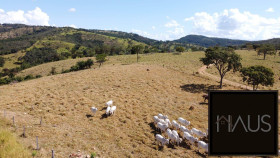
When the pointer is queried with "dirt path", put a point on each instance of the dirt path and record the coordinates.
(203, 72)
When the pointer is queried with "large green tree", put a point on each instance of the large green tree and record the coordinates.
(224, 60)
(255, 75)
(137, 49)
(266, 49)
(101, 58)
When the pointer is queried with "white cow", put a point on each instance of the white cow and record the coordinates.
(160, 116)
(203, 145)
(112, 110)
(108, 110)
(161, 140)
(109, 103)
(93, 110)
(190, 138)
(178, 139)
(176, 125)
(198, 132)
(171, 136)
(162, 126)
(156, 120)
(184, 129)
(183, 121)
(168, 122)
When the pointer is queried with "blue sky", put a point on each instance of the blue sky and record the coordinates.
(158, 19)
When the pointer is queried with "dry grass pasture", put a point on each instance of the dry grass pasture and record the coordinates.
(159, 83)
(250, 58)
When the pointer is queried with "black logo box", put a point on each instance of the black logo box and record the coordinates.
(242, 103)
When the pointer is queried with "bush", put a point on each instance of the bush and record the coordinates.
(38, 76)
(29, 77)
(93, 155)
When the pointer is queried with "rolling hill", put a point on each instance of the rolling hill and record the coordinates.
(209, 41)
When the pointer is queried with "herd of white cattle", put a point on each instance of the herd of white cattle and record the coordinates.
(163, 124)
(110, 110)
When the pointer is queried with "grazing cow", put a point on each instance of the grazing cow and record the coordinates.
(109, 103)
(203, 145)
(108, 110)
(160, 139)
(162, 126)
(184, 129)
(160, 116)
(178, 139)
(176, 125)
(183, 121)
(93, 110)
(156, 120)
(190, 138)
(167, 121)
(205, 97)
(112, 110)
(198, 132)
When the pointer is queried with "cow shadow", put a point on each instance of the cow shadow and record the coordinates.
(198, 88)
(203, 103)
(104, 108)
(89, 115)
(151, 124)
(103, 116)
(200, 154)
(184, 144)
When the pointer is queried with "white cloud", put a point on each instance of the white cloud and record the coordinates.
(72, 25)
(72, 10)
(270, 10)
(172, 23)
(235, 24)
(174, 31)
(172, 34)
(32, 17)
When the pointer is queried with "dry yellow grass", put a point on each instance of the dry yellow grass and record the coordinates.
(250, 58)
(9, 146)
(64, 101)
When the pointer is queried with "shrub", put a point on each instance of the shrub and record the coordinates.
(93, 155)
(29, 77)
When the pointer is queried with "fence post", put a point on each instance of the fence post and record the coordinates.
(24, 131)
(37, 143)
(13, 120)
(41, 122)
(52, 153)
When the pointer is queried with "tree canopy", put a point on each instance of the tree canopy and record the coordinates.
(101, 58)
(137, 49)
(266, 49)
(255, 75)
(180, 49)
(224, 60)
